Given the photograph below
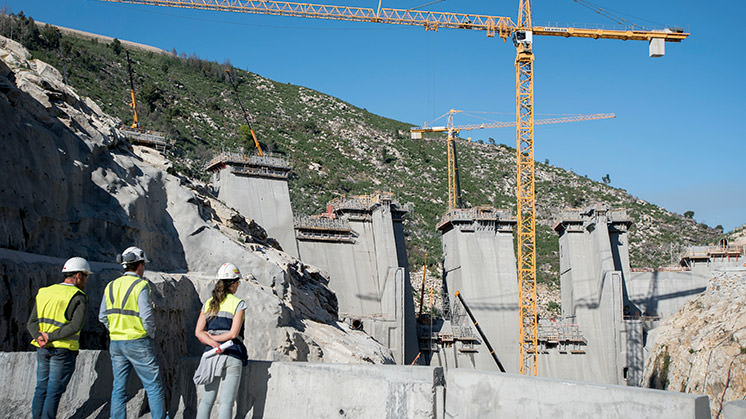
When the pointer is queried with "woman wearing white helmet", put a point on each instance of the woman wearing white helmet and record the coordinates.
(220, 321)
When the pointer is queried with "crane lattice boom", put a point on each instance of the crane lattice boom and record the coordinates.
(488, 125)
(430, 20)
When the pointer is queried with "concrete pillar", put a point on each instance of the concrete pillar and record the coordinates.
(257, 188)
(594, 260)
(479, 262)
(362, 250)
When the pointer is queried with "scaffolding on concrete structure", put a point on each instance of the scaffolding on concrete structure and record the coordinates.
(252, 165)
(323, 229)
(150, 139)
(564, 335)
(360, 207)
(477, 218)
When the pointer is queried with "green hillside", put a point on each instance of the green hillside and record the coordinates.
(335, 147)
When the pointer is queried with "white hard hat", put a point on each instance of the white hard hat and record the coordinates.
(131, 255)
(77, 264)
(229, 271)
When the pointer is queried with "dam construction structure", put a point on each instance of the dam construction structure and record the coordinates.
(660, 292)
(359, 242)
(257, 187)
(609, 311)
(599, 337)
(478, 262)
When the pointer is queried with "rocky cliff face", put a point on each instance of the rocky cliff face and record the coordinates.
(74, 186)
(702, 348)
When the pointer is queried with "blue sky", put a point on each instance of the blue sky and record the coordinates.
(677, 141)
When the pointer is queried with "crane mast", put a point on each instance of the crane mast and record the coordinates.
(454, 183)
(525, 191)
(133, 103)
(522, 33)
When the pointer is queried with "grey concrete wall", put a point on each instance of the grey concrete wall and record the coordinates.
(411, 344)
(371, 280)
(479, 262)
(735, 410)
(267, 390)
(662, 293)
(298, 389)
(87, 396)
(265, 200)
(477, 394)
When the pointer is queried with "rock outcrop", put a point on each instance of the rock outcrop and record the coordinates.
(74, 186)
(702, 348)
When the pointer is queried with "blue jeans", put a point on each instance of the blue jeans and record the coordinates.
(140, 355)
(228, 383)
(54, 367)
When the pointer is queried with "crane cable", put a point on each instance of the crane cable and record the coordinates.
(245, 114)
(606, 13)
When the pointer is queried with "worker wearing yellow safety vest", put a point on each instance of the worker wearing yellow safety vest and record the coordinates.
(220, 327)
(126, 310)
(56, 320)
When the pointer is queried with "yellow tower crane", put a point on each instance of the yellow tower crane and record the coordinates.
(133, 103)
(454, 183)
(522, 33)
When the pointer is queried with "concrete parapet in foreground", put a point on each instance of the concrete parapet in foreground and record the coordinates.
(735, 410)
(275, 390)
(477, 394)
(87, 395)
(315, 390)
(268, 390)
(336, 390)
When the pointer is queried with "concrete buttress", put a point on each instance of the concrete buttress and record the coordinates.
(479, 262)
(257, 188)
(362, 250)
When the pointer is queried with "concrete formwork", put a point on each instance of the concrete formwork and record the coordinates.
(479, 262)
(364, 255)
(257, 188)
(594, 263)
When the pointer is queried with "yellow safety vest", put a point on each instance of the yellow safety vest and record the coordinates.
(122, 311)
(51, 304)
(223, 320)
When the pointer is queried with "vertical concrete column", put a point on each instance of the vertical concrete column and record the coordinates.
(366, 263)
(257, 188)
(479, 262)
(411, 345)
(593, 260)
